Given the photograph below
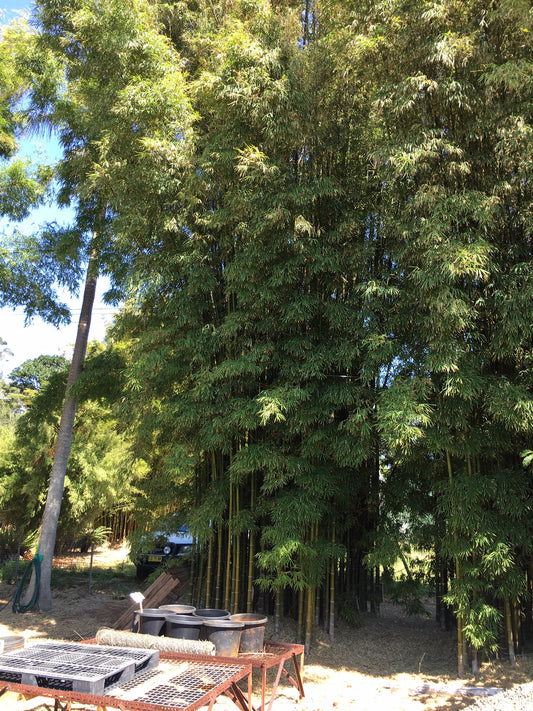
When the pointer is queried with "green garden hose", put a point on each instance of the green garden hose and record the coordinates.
(34, 568)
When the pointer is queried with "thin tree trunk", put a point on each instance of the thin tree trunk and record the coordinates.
(63, 444)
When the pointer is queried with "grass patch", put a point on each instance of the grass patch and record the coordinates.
(117, 580)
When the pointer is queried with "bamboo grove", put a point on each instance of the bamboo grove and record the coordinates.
(327, 336)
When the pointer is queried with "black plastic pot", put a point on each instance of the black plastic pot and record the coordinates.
(178, 609)
(225, 635)
(183, 626)
(149, 621)
(211, 613)
(253, 634)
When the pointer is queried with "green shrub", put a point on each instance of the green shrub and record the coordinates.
(7, 571)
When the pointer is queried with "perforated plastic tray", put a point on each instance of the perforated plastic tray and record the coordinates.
(90, 669)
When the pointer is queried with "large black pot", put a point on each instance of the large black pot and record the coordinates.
(211, 613)
(225, 635)
(149, 621)
(183, 626)
(253, 634)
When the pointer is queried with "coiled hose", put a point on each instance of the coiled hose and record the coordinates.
(32, 573)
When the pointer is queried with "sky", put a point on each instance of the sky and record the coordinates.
(9, 9)
(38, 338)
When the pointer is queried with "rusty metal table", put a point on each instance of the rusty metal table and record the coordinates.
(274, 655)
(277, 654)
(179, 683)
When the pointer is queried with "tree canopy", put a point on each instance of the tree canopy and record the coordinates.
(34, 373)
(320, 216)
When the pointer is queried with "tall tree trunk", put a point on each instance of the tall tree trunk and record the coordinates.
(63, 443)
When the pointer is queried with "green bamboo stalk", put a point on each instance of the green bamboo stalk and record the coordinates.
(279, 606)
(300, 614)
(516, 622)
(311, 598)
(509, 632)
(461, 641)
(475, 659)
(218, 588)
(326, 595)
(309, 617)
(209, 574)
(228, 554)
(192, 587)
(219, 536)
(251, 551)
(236, 559)
(332, 590)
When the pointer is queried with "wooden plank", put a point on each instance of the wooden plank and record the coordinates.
(448, 689)
(154, 596)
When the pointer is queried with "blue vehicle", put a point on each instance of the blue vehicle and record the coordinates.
(159, 548)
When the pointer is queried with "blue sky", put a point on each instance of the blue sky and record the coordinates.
(39, 338)
(12, 8)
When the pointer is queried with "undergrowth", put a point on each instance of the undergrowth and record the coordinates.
(118, 580)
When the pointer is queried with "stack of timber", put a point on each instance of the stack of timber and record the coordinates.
(172, 582)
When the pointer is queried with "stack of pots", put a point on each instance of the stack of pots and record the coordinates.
(242, 633)
(218, 628)
(165, 620)
(180, 622)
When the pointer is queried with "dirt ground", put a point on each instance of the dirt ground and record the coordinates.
(382, 665)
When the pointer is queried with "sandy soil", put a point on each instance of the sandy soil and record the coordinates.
(379, 666)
